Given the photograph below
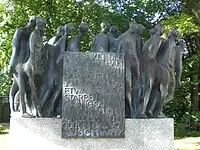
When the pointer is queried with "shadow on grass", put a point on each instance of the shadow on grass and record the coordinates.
(197, 144)
(186, 134)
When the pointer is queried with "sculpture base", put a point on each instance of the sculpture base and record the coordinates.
(45, 133)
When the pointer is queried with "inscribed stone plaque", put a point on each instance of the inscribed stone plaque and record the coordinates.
(93, 95)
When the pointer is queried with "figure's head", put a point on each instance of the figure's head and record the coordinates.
(134, 27)
(32, 21)
(68, 29)
(114, 31)
(41, 23)
(141, 28)
(60, 31)
(105, 26)
(83, 28)
(159, 29)
(174, 33)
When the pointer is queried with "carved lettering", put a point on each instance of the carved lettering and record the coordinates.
(93, 95)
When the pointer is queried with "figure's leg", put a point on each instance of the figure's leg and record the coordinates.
(42, 99)
(146, 97)
(22, 91)
(55, 99)
(135, 91)
(17, 102)
(33, 89)
(154, 98)
(58, 107)
(143, 84)
(47, 102)
(128, 110)
(171, 89)
(13, 90)
(163, 91)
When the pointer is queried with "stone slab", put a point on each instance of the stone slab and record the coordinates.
(93, 102)
(45, 133)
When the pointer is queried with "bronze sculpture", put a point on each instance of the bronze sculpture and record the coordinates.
(128, 45)
(113, 42)
(153, 70)
(163, 75)
(101, 40)
(150, 50)
(35, 67)
(74, 44)
(52, 86)
(20, 55)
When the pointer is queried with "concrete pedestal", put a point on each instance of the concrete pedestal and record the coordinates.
(45, 134)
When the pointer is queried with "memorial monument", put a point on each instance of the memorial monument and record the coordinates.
(67, 93)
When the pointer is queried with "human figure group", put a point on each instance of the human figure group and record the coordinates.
(152, 69)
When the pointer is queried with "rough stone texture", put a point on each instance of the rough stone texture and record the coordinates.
(93, 102)
(45, 133)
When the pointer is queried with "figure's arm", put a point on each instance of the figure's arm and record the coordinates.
(118, 44)
(61, 43)
(132, 46)
(52, 41)
(93, 45)
(120, 48)
(145, 48)
(16, 48)
(178, 65)
(32, 43)
(61, 46)
(108, 38)
(154, 46)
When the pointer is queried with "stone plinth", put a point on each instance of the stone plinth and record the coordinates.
(45, 133)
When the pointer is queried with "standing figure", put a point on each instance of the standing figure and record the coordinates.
(35, 67)
(74, 44)
(178, 61)
(138, 92)
(20, 55)
(155, 95)
(163, 76)
(128, 46)
(52, 87)
(101, 40)
(59, 34)
(113, 43)
(150, 50)
(175, 69)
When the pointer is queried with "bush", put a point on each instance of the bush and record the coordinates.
(5, 83)
(189, 125)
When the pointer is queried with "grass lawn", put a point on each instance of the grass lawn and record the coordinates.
(4, 138)
(189, 143)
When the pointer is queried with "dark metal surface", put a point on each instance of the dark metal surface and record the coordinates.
(93, 95)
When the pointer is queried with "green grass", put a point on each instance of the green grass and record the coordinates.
(4, 137)
(3, 130)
